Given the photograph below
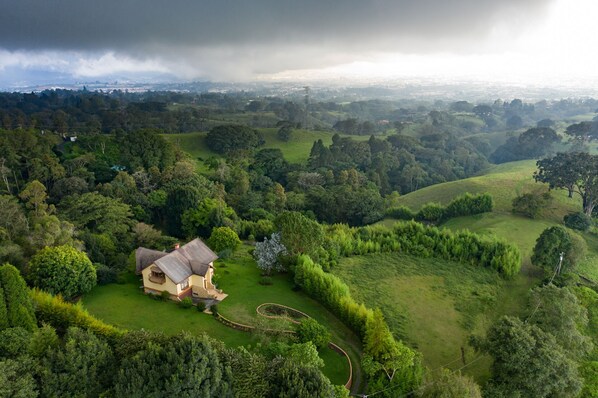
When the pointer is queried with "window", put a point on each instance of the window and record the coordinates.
(184, 284)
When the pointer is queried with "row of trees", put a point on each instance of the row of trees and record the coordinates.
(463, 205)
(387, 362)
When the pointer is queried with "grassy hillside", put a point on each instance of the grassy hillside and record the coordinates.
(504, 182)
(434, 305)
(295, 151)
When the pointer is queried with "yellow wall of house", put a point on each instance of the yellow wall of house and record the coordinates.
(169, 285)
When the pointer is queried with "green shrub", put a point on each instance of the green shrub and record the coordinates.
(310, 330)
(223, 238)
(165, 295)
(579, 221)
(214, 309)
(432, 212)
(400, 213)
(531, 204)
(468, 205)
(186, 302)
(201, 306)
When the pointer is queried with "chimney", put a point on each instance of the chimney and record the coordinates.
(176, 246)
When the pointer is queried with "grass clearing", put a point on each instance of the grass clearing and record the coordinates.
(125, 306)
(434, 305)
(294, 151)
(504, 182)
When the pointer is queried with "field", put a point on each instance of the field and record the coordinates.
(434, 305)
(125, 306)
(295, 151)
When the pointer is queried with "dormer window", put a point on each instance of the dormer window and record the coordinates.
(157, 276)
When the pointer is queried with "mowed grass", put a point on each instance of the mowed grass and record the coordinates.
(125, 306)
(434, 305)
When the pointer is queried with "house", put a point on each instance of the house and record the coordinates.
(186, 271)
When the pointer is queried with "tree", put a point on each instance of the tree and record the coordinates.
(15, 300)
(97, 213)
(558, 312)
(527, 362)
(579, 221)
(223, 238)
(185, 366)
(299, 234)
(447, 384)
(531, 204)
(34, 195)
(63, 270)
(145, 148)
(16, 380)
(310, 330)
(583, 131)
(550, 244)
(206, 215)
(575, 171)
(82, 367)
(381, 351)
(228, 138)
(290, 379)
(267, 254)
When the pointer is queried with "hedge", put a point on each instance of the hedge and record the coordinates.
(61, 315)
(418, 240)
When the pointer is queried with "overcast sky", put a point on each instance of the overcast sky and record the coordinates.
(244, 40)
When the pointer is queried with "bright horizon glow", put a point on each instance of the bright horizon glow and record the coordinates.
(559, 51)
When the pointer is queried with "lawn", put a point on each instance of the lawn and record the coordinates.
(434, 305)
(125, 306)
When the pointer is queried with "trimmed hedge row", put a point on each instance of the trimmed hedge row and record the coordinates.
(416, 239)
(61, 315)
(463, 205)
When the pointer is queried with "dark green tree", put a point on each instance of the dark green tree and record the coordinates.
(19, 308)
(185, 366)
(16, 378)
(575, 171)
(81, 367)
(228, 138)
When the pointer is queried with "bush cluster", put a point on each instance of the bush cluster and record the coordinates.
(418, 240)
(463, 205)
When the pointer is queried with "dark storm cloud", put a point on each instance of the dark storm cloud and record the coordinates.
(283, 32)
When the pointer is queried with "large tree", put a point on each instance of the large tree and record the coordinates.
(298, 233)
(577, 172)
(228, 138)
(558, 312)
(186, 367)
(528, 362)
(64, 270)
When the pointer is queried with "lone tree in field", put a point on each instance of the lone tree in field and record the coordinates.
(64, 270)
(577, 172)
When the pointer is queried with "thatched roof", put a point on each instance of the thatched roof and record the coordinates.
(193, 258)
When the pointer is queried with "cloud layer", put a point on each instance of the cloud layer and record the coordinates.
(241, 38)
